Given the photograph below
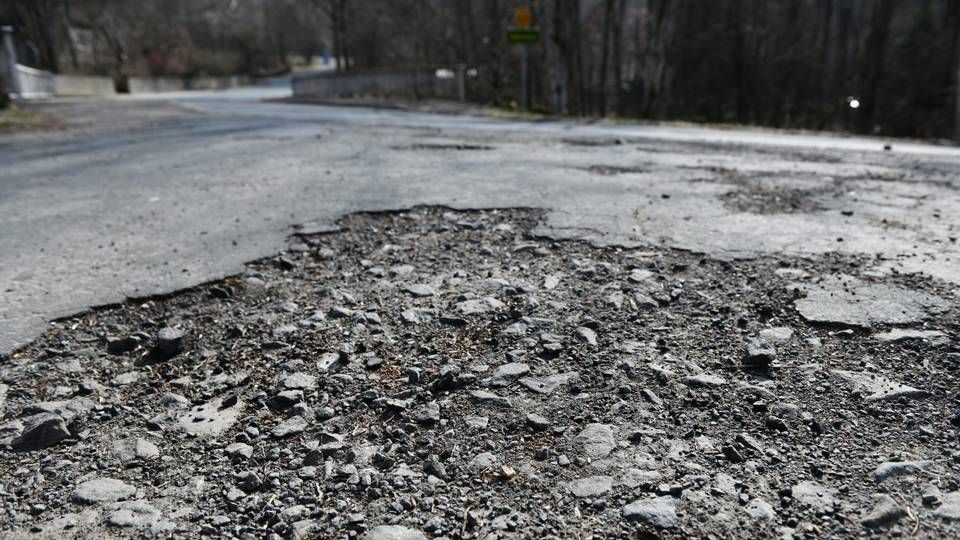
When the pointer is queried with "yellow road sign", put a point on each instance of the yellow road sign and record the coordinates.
(523, 17)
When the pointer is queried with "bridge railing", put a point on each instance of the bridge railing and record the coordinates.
(411, 83)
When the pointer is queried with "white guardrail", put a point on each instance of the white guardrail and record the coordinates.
(34, 83)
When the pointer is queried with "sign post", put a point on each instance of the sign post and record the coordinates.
(523, 34)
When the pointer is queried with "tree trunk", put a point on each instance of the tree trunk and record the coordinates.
(953, 21)
(738, 62)
(618, 56)
(654, 66)
(956, 90)
(605, 54)
(874, 63)
(578, 56)
(557, 53)
(344, 35)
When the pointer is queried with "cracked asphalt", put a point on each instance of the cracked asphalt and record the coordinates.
(358, 323)
(139, 197)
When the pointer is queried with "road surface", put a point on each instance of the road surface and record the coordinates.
(137, 197)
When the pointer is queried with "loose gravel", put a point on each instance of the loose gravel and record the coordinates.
(440, 374)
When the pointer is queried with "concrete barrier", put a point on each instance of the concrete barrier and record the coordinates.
(33, 83)
(216, 83)
(82, 85)
(141, 85)
(419, 83)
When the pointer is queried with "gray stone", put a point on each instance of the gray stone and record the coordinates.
(551, 281)
(420, 290)
(239, 449)
(340, 312)
(393, 532)
(174, 401)
(282, 401)
(124, 379)
(418, 315)
(633, 477)
(537, 422)
(814, 496)
(398, 405)
(402, 270)
(660, 512)
(893, 469)
(489, 399)
(704, 380)
(476, 422)
(596, 440)
(783, 409)
(592, 486)
(40, 431)
(283, 330)
(549, 383)
(506, 374)
(931, 495)
(427, 413)
(749, 442)
(949, 509)
(68, 409)
(521, 326)
(760, 353)
(587, 335)
(331, 362)
(134, 449)
(102, 490)
(645, 302)
(639, 275)
(170, 341)
(305, 528)
(3, 398)
(211, 418)
(248, 481)
(121, 344)
(847, 301)
(777, 335)
(299, 381)
(433, 467)
(482, 305)
(134, 514)
(294, 513)
(291, 426)
(877, 388)
(760, 510)
(484, 460)
(900, 334)
(885, 512)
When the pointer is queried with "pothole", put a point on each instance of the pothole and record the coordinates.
(590, 142)
(456, 360)
(444, 146)
(611, 170)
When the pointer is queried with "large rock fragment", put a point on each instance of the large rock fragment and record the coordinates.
(660, 512)
(40, 431)
(847, 301)
(102, 490)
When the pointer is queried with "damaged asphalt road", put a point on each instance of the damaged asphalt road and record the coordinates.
(140, 198)
(452, 375)
(647, 330)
